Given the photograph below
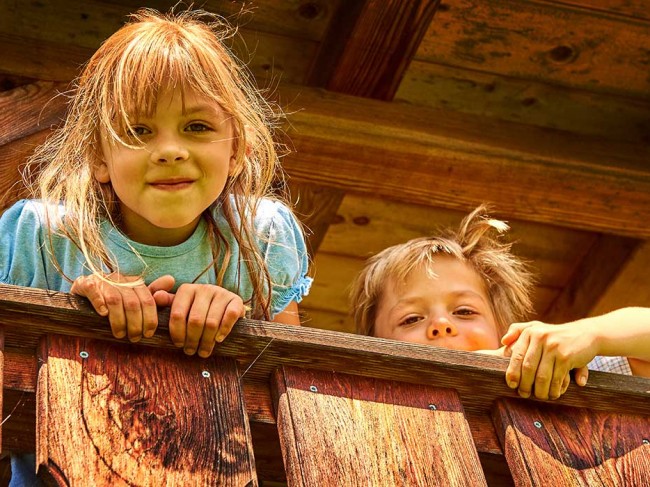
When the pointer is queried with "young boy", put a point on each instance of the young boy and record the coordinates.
(461, 290)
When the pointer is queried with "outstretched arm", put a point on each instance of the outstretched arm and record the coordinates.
(543, 354)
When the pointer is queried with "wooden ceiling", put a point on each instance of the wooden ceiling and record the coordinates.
(403, 115)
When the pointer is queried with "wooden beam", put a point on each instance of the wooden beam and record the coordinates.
(27, 314)
(631, 287)
(370, 45)
(444, 159)
(594, 275)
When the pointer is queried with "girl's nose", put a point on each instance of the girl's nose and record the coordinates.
(441, 327)
(169, 150)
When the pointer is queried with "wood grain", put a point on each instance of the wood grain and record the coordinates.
(562, 446)
(109, 414)
(337, 429)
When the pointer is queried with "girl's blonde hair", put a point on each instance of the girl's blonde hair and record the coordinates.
(123, 79)
(507, 280)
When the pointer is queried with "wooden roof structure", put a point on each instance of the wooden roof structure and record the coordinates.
(404, 115)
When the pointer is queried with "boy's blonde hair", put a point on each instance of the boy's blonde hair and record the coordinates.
(122, 80)
(507, 281)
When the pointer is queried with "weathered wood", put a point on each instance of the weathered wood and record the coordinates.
(422, 156)
(591, 279)
(548, 41)
(370, 45)
(316, 207)
(337, 429)
(562, 446)
(109, 414)
(631, 287)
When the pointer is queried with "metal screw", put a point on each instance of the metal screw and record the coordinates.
(646, 442)
(313, 388)
(83, 354)
(432, 407)
(205, 374)
(537, 424)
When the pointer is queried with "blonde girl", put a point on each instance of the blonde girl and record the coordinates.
(156, 191)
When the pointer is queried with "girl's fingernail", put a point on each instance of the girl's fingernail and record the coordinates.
(103, 310)
(582, 380)
(512, 384)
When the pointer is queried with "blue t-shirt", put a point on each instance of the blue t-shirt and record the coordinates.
(25, 249)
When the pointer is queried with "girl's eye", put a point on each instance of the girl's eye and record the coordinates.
(410, 320)
(138, 131)
(197, 127)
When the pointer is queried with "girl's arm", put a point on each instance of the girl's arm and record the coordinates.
(543, 354)
(288, 316)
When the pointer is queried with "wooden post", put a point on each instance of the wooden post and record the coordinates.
(112, 414)
(546, 444)
(338, 429)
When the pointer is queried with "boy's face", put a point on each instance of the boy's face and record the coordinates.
(450, 309)
(164, 186)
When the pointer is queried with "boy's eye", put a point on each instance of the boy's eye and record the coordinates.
(197, 127)
(465, 312)
(410, 320)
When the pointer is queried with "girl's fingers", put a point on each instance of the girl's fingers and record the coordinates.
(518, 353)
(560, 377)
(178, 315)
(116, 311)
(213, 321)
(87, 287)
(149, 311)
(543, 376)
(529, 366)
(234, 310)
(197, 319)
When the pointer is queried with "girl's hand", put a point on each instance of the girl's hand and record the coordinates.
(201, 315)
(543, 355)
(131, 310)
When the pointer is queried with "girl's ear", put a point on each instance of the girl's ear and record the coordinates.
(101, 173)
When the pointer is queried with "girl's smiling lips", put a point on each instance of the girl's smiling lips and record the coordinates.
(172, 184)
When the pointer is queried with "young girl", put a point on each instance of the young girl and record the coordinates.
(155, 192)
(462, 289)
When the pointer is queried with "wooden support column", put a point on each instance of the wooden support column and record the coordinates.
(547, 444)
(338, 429)
(113, 414)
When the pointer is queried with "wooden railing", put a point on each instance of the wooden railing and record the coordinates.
(299, 405)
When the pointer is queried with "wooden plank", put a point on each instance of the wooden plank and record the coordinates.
(403, 153)
(340, 429)
(631, 287)
(370, 45)
(551, 445)
(29, 109)
(109, 414)
(546, 41)
(260, 347)
(316, 207)
(594, 275)
(535, 103)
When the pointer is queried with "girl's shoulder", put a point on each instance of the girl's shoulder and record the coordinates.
(28, 213)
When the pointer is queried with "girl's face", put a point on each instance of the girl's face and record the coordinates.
(164, 186)
(450, 309)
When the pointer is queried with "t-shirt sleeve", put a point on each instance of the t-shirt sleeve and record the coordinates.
(286, 257)
(21, 261)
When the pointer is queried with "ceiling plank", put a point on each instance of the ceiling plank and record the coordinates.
(631, 287)
(597, 270)
(369, 46)
(437, 158)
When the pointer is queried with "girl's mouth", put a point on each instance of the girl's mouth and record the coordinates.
(172, 185)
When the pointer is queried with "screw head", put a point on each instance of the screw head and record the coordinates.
(313, 388)
(646, 442)
(432, 407)
(205, 374)
(83, 354)
(537, 424)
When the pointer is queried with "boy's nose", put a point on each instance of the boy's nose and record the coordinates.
(441, 327)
